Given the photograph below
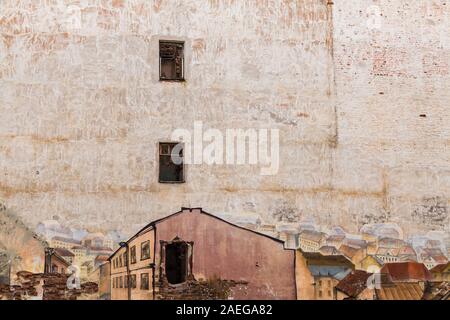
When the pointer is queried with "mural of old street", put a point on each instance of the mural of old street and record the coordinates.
(56, 261)
(224, 149)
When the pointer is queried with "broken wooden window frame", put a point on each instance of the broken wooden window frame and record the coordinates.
(178, 54)
(168, 154)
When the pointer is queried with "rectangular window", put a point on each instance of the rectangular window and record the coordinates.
(145, 250)
(133, 254)
(171, 60)
(120, 282)
(125, 262)
(171, 169)
(133, 281)
(144, 281)
(113, 282)
(125, 282)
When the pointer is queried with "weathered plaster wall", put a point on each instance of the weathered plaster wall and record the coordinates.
(82, 109)
(392, 85)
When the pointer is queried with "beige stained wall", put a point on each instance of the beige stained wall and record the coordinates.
(304, 279)
(83, 110)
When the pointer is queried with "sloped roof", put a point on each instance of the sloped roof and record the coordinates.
(391, 243)
(316, 258)
(434, 254)
(441, 267)
(354, 283)
(335, 237)
(68, 240)
(400, 291)
(349, 251)
(357, 243)
(394, 252)
(64, 252)
(407, 271)
(197, 211)
(329, 251)
(312, 235)
(378, 260)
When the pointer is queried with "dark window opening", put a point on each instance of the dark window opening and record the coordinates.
(171, 60)
(171, 167)
(176, 262)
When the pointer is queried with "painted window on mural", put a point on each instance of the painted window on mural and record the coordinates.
(145, 250)
(171, 168)
(171, 60)
(133, 281)
(133, 254)
(144, 281)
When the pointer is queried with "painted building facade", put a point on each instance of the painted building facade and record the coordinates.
(204, 254)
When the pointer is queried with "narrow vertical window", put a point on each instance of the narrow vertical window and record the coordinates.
(133, 254)
(133, 281)
(144, 281)
(171, 167)
(145, 250)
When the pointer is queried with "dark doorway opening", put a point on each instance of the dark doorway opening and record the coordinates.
(176, 262)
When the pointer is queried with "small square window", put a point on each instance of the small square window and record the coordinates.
(144, 281)
(133, 254)
(145, 250)
(171, 60)
(171, 162)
